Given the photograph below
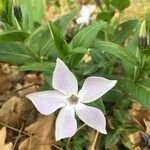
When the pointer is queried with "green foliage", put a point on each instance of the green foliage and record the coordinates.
(14, 53)
(76, 55)
(120, 4)
(41, 41)
(116, 50)
(85, 37)
(140, 91)
(38, 66)
(63, 21)
(112, 138)
(105, 15)
(99, 104)
(123, 31)
(13, 36)
(60, 43)
(32, 15)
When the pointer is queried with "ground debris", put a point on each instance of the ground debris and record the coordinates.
(3, 145)
(141, 118)
(42, 131)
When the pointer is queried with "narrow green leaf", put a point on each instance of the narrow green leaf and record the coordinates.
(123, 31)
(85, 37)
(41, 66)
(60, 43)
(41, 41)
(116, 50)
(140, 91)
(14, 53)
(38, 10)
(112, 138)
(27, 11)
(13, 36)
(63, 21)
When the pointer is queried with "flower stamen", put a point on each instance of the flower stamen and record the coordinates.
(73, 99)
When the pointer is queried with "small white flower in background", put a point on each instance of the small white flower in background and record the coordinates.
(67, 97)
(85, 14)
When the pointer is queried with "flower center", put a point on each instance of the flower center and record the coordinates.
(73, 99)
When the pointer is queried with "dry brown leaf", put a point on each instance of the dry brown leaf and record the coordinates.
(5, 82)
(93, 136)
(135, 138)
(25, 89)
(42, 131)
(11, 111)
(4, 146)
(147, 125)
(141, 118)
(86, 58)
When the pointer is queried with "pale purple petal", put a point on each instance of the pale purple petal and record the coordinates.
(95, 87)
(47, 102)
(66, 124)
(93, 117)
(63, 79)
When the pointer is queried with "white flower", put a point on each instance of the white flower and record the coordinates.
(67, 97)
(85, 14)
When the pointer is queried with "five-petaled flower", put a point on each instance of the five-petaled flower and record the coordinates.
(85, 14)
(67, 97)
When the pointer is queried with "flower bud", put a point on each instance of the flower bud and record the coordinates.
(18, 13)
(142, 36)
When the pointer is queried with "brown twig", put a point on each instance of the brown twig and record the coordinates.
(18, 137)
(14, 92)
(93, 146)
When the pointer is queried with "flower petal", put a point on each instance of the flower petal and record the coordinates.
(93, 117)
(63, 79)
(66, 124)
(83, 20)
(95, 87)
(47, 102)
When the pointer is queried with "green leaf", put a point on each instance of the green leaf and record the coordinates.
(8, 11)
(105, 15)
(85, 37)
(140, 91)
(63, 21)
(60, 43)
(123, 31)
(41, 41)
(120, 4)
(132, 46)
(33, 12)
(98, 104)
(38, 10)
(27, 11)
(14, 53)
(112, 138)
(39, 66)
(116, 50)
(76, 55)
(13, 36)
